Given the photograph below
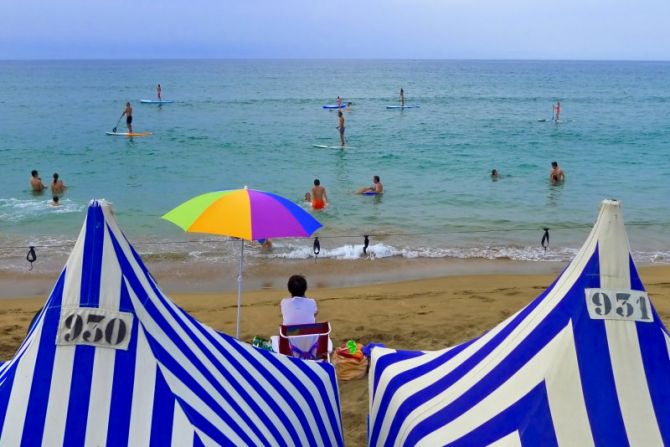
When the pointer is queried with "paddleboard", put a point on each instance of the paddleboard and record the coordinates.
(323, 146)
(334, 106)
(155, 101)
(402, 107)
(126, 134)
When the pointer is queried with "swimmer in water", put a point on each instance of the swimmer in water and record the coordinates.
(494, 175)
(308, 197)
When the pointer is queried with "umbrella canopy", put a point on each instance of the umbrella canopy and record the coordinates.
(245, 214)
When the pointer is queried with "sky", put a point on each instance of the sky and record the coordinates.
(385, 29)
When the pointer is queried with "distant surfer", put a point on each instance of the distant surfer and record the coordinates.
(340, 126)
(319, 197)
(338, 101)
(556, 175)
(57, 186)
(557, 111)
(36, 182)
(128, 112)
(376, 188)
(402, 97)
(158, 92)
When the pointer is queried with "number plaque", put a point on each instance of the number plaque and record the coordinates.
(94, 327)
(619, 304)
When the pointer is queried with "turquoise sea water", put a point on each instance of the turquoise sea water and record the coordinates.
(237, 123)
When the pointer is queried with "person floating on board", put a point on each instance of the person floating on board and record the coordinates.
(376, 188)
(402, 97)
(556, 175)
(319, 197)
(340, 126)
(36, 182)
(57, 186)
(129, 117)
(557, 111)
(158, 92)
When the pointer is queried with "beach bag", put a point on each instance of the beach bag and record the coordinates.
(350, 365)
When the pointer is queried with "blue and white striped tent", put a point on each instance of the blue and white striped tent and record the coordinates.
(585, 363)
(111, 361)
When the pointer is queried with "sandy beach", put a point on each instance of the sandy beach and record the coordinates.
(423, 314)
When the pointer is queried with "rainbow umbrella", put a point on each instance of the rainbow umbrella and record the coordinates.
(245, 214)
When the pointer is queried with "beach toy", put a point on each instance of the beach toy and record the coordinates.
(261, 343)
(351, 345)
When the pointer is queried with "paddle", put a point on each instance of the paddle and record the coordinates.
(117, 123)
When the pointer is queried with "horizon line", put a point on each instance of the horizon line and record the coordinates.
(134, 59)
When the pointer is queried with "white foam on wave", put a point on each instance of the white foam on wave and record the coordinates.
(20, 210)
(55, 250)
(380, 251)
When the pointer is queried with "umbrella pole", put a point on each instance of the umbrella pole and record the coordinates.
(239, 287)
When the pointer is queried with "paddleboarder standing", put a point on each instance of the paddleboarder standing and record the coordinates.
(340, 126)
(128, 112)
(158, 92)
(557, 111)
(402, 97)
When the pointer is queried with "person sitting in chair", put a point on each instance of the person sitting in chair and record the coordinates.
(298, 309)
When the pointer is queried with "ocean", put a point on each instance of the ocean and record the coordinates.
(254, 123)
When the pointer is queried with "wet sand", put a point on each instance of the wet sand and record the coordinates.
(423, 314)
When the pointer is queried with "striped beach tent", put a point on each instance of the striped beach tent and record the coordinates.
(585, 363)
(112, 361)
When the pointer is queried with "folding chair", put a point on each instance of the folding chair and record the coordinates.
(305, 341)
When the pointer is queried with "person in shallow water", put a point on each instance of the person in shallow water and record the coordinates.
(376, 188)
(556, 175)
(319, 197)
(57, 186)
(36, 182)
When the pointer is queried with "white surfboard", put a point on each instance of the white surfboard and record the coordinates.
(126, 134)
(324, 146)
(156, 101)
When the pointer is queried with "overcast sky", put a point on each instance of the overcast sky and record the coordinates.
(439, 29)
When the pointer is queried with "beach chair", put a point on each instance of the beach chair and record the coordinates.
(305, 341)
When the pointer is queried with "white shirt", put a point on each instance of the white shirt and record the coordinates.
(298, 310)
